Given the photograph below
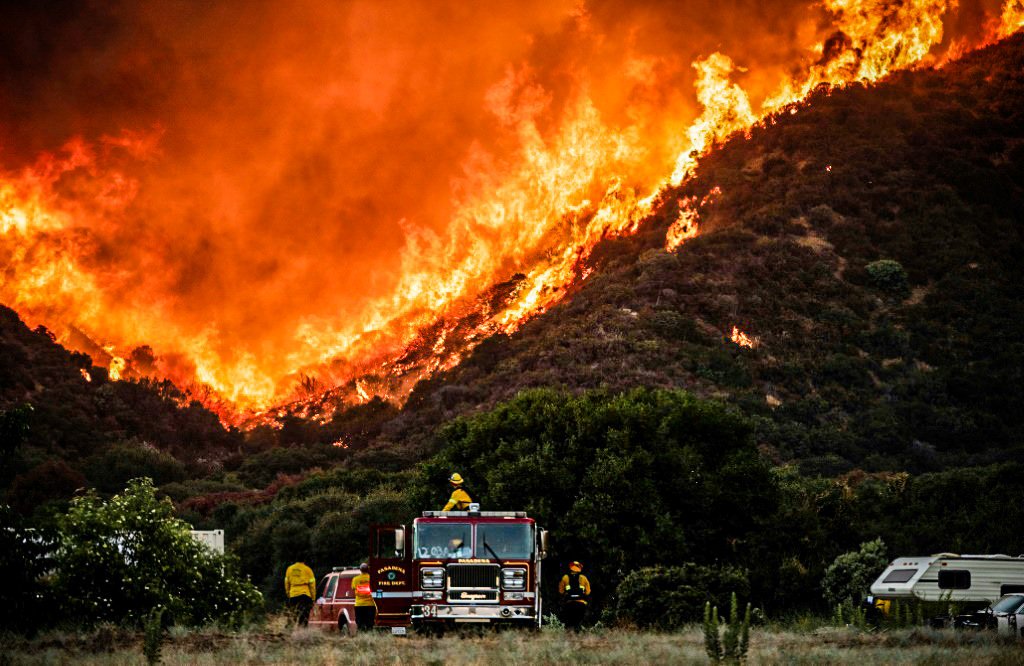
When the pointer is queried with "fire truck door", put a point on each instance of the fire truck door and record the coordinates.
(391, 574)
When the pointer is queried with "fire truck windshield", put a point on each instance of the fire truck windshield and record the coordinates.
(443, 540)
(506, 540)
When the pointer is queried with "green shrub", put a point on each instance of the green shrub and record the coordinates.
(889, 276)
(121, 558)
(850, 575)
(669, 597)
(114, 467)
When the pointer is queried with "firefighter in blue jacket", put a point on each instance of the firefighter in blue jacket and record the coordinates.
(575, 591)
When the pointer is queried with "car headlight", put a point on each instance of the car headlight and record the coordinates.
(432, 578)
(513, 579)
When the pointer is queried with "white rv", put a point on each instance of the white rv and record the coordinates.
(950, 577)
(212, 539)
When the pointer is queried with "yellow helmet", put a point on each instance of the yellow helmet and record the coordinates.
(575, 567)
(455, 479)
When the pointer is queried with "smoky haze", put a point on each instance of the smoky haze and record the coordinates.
(293, 146)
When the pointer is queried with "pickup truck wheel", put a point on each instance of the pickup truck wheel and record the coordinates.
(343, 624)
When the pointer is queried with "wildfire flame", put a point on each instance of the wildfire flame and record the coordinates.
(567, 169)
(742, 339)
(1012, 18)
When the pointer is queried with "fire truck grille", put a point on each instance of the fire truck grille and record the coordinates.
(473, 575)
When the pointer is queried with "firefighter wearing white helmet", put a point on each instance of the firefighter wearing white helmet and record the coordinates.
(460, 498)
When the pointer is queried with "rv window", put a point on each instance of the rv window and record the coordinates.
(955, 579)
(1011, 589)
(899, 575)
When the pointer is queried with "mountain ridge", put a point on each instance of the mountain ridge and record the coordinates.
(864, 240)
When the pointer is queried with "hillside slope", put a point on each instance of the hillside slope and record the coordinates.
(856, 363)
(65, 424)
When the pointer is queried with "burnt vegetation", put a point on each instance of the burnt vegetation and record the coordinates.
(868, 239)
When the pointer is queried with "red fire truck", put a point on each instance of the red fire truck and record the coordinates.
(456, 567)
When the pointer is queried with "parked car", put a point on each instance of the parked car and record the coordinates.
(335, 606)
(1009, 613)
(1005, 616)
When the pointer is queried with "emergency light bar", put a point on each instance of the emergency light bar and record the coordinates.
(481, 514)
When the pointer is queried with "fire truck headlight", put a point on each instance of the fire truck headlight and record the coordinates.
(432, 578)
(513, 579)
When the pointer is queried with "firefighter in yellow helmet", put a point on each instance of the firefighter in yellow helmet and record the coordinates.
(366, 607)
(460, 498)
(575, 591)
(300, 588)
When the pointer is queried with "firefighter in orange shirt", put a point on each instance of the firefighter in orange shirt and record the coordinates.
(460, 499)
(300, 587)
(366, 607)
(575, 591)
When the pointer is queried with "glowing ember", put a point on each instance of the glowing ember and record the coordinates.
(742, 339)
(85, 374)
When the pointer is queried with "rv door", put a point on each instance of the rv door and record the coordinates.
(390, 574)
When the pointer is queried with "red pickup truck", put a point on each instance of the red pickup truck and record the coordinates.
(335, 606)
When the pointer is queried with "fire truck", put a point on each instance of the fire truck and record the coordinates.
(454, 567)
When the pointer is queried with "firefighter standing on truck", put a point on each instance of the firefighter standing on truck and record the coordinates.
(575, 590)
(460, 498)
(366, 607)
(300, 586)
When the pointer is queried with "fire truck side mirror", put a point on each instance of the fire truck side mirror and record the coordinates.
(543, 544)
(400, 541)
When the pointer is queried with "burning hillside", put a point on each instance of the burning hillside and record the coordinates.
(343, 205)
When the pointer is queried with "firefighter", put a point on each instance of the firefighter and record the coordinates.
(366, 607)
(300, 586)
(460, 498)
(575, 591)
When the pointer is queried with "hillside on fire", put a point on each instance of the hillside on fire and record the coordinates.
(828, 349)
(853, 291)
(854, 288)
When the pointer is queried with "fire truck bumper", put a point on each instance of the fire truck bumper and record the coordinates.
(441, 612)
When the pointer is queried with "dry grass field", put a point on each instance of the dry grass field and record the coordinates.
(276, 645)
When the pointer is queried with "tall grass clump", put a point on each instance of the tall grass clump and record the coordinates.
(733, 645)
(153, 636)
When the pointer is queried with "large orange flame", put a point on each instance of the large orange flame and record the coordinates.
(578, 153)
